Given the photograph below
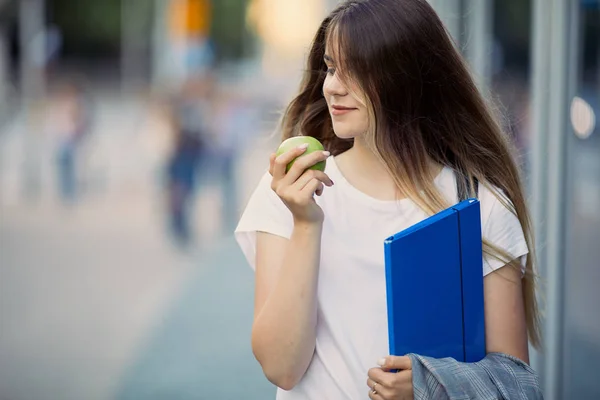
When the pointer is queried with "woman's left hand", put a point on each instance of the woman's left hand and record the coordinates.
(385, 385)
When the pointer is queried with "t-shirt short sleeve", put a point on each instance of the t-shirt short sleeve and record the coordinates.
(501, 228)
(265, 212)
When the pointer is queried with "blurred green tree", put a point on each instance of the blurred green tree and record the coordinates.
(229, 31)
(90, 28)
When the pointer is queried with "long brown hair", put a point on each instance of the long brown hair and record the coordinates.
(423, 106)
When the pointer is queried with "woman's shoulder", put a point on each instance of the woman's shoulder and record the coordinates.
(501, 226)
(494, 204)
(265, 209)
(491, 198)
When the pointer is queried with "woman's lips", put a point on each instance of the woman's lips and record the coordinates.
(341, 110)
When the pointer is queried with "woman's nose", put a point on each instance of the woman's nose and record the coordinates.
(334, 87)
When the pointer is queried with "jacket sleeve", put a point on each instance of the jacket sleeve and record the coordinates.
(497, 376)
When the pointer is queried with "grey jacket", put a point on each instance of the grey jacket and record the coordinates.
(497, 377)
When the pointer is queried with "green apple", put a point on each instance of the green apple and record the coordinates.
(293, 142)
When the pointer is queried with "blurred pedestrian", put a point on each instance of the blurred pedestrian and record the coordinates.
(234, 121)
(189, 127)
(75, 116)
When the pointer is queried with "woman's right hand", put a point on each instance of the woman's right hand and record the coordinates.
(298, 186)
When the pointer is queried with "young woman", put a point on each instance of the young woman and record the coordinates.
(393, 103)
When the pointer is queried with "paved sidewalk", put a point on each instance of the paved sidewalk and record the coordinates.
(202, 348)
(78, 290)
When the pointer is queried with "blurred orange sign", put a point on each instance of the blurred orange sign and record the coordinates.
(190, 18)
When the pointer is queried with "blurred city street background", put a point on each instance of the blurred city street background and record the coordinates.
(96, 301)
(132, 133)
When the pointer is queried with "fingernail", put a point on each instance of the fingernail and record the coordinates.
(326, 153)
(303, 146)
(381, 362)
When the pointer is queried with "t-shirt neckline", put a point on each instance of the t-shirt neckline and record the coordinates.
(339, 179)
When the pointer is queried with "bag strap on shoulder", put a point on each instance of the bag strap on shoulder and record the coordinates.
(463, 186)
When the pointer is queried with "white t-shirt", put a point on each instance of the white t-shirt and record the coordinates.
(352, 332)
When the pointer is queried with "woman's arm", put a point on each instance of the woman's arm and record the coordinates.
(285, 307)
(505, 325)
(285, 310)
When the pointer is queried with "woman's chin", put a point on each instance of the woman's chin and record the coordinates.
(345, 135)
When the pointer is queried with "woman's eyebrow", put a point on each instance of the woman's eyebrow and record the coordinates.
(328, 58)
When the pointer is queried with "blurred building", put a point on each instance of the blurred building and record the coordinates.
(542, 58)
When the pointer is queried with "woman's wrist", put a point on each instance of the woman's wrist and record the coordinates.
(308, 227)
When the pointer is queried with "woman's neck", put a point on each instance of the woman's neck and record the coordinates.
(366, 160)
(364, 170)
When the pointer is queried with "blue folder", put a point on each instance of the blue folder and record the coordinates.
(434, 283)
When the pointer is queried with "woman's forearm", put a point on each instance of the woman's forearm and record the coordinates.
(283, 335)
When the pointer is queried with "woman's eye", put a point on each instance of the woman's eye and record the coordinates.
(331, 71)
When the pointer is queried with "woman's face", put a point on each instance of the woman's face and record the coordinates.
(347, 105)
